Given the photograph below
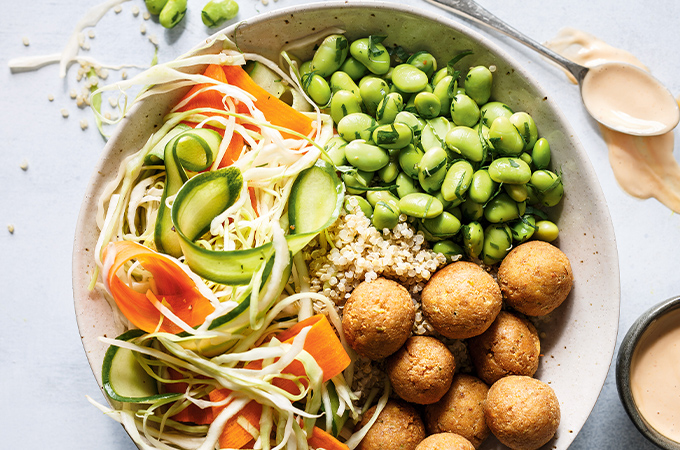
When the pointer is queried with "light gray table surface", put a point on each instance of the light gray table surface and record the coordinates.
(44, 375)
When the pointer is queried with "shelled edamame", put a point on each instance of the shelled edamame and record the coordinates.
(171, 12)
(433, 144)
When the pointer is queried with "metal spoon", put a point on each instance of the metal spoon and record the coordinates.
(609, 107)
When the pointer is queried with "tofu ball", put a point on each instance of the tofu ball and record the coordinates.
(509, 347)
(522, 412)
(461, 300)
(535, 278)
(398, 427)
(378, 317)
(461, 410)
(445, 441)
(421, 371)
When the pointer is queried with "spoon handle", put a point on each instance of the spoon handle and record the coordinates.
(471, 10)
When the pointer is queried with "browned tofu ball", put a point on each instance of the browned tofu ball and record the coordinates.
(509, 347)
(445, 441)
(378, 317)
(461, 300)
(421, 370)
(461, 410)
(535, 278)
(522, 412)
(398, 427)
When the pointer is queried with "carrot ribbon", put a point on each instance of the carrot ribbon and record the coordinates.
(174, 289)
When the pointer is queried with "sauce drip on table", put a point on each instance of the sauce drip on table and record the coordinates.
(644, 167)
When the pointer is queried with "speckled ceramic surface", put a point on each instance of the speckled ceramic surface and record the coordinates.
(623, 361)
(578, 339)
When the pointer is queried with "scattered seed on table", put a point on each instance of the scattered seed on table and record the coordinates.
(135, 11)
(83, 124)
(25, 41)
(24, 165)
(10, 228)
(64, 113)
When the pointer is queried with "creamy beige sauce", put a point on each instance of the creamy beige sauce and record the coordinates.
(644, 167)
(626, 98)
(655, 375)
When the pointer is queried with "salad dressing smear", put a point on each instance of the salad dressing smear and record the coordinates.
(644, 167)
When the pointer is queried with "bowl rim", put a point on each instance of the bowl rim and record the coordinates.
(623, 366)
(444, 18)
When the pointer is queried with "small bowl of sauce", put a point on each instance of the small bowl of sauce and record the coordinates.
(648, 374)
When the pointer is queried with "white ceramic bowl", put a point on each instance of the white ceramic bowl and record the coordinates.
(577, 339)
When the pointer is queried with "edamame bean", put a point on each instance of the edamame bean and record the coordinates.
(527, 128)
(501, 209)
(546, 231)
(457, 180)
(427, 105)
(414, 122)
(549, 187)
(385, 215)
(455, 210)
(155, 6)
(471, 210)
(482, 187)
(305, 68)
(317, 88)
(440, 75)
(344, 103)
(497, 243)
(464, 111)
(424, 61)
(478, 84)
(408, 78)
(335, 147)
(389, 173)
(353, 68)
(473, 239)
(540, 155)
(444, 225)
(441, 90)
(374, 197)
(354, 203)
(434, 133)
(341, 81)
(372, 91)
(216, 12)
(366, 157)
(493, 110)
(465, 141)
(432, 169)
(422, 206)
(330, 55)
(524, 156)
(450, 249)
(406, 185)
(389, 107)
(523, 229)
(357, 179)
(447, 204)
(505, 137)
(172, 13)
(393, 136)
(371, 54)
(356, 126)
(409, 158)
(509, 170)
(517, 192)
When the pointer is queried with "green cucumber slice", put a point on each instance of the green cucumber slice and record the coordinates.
(124, 379)
(192, 150)
(156, 155)
(316, 196)
(266, 78)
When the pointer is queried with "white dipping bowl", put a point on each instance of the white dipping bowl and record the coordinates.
(577, 339)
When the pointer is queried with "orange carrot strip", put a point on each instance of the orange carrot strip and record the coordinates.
(192, 413)
(174, 287)
(322, 343)
(234, 435)
(321, 439)
(275, 111)
(209, 98)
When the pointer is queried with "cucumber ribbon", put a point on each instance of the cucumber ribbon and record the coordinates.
(208, 194)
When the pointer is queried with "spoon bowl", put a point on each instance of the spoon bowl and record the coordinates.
(618, 95)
